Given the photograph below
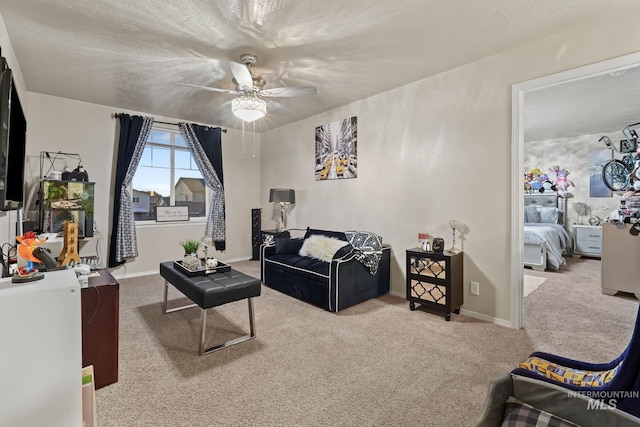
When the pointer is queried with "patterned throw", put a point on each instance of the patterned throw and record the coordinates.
(368, 248)
(571, 376)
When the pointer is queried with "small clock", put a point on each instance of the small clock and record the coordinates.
(438, 244)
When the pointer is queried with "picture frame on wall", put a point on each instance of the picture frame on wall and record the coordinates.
(337, 150)
(597, 160)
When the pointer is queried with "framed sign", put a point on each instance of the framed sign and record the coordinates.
(172, 213)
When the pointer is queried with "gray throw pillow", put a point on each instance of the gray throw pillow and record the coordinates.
(531, 214)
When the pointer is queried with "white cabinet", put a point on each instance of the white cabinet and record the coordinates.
(587, 240)
(41, 353)
(620, 254)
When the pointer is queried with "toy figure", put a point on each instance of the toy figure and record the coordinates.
(547, 185)
(561, 181)
(527, 183)
(28, 243)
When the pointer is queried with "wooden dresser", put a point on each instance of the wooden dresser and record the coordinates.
(100, 311)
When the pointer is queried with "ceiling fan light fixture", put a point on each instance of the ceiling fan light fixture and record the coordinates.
(249, 107)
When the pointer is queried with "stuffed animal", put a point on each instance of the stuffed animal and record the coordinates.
(547, 185)
(561, 181)
(527, 183)
(536, 184)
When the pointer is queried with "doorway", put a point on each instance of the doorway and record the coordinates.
(518, 93)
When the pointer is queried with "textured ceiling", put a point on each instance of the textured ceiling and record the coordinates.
(589, 106)
(129, 54)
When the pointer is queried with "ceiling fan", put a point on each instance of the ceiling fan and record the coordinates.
(248, 103)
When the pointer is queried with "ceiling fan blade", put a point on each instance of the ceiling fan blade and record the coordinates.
(290, 91)
(213, 89)
(242, 75)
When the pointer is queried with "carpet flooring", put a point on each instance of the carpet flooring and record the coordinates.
(374, 364)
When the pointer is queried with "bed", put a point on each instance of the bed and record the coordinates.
(545, 238)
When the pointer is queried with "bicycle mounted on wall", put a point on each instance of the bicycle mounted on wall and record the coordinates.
(620, 174)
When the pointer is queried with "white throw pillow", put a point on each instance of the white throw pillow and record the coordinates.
(321, 247)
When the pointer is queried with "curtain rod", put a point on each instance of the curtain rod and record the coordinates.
(116, 115)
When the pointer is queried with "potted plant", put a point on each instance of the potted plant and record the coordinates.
(190, 260)
(190, 246)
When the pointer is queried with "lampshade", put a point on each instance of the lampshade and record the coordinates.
(579, 208)
(249, 107)
(282, 195)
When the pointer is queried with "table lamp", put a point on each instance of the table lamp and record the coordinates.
(282, 196)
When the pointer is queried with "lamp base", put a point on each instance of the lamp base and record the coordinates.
(282, 226)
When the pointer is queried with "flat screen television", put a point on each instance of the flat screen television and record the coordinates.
(13, 129)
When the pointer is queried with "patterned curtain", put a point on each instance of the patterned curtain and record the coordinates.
(134, 131)
(205, 144)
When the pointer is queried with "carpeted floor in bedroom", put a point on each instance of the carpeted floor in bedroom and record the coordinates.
(377, 363)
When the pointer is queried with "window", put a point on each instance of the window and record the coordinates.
(167, 176)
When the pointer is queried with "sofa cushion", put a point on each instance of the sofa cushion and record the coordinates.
(288, 246)
(321, 247)
(566, 375)
(314, 231)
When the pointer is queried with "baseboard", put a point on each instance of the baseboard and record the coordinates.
(475, 315)
(398, 294)
(485, 318)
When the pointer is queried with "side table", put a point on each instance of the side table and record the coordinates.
(434, 279)
(587, 240)
(100, 312)
(275, 233)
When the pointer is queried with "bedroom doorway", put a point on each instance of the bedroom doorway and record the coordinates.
(519, 91)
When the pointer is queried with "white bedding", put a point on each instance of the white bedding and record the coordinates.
(556, 238)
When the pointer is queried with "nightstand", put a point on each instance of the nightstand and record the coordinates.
(435, 280)
(587, 240)
(275, 233)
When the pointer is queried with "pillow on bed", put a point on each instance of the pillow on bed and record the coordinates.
(531, 214)
(548, 214)
(321, 247)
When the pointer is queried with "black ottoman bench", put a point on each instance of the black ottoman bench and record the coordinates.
(211, 290)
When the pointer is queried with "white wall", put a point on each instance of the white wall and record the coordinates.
(59, 124)
(435, 150)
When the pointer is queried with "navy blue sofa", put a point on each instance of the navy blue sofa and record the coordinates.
(334, 285)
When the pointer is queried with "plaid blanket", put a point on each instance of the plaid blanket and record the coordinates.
(368, 248)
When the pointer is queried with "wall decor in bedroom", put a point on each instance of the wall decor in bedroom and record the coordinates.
(337, 150)
(597, 159)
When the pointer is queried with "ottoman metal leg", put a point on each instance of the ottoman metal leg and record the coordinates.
(164, 302)
(203, 326)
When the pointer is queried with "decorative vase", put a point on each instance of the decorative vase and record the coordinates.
(191, 262)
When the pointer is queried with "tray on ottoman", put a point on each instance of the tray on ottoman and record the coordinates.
(202, 271)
